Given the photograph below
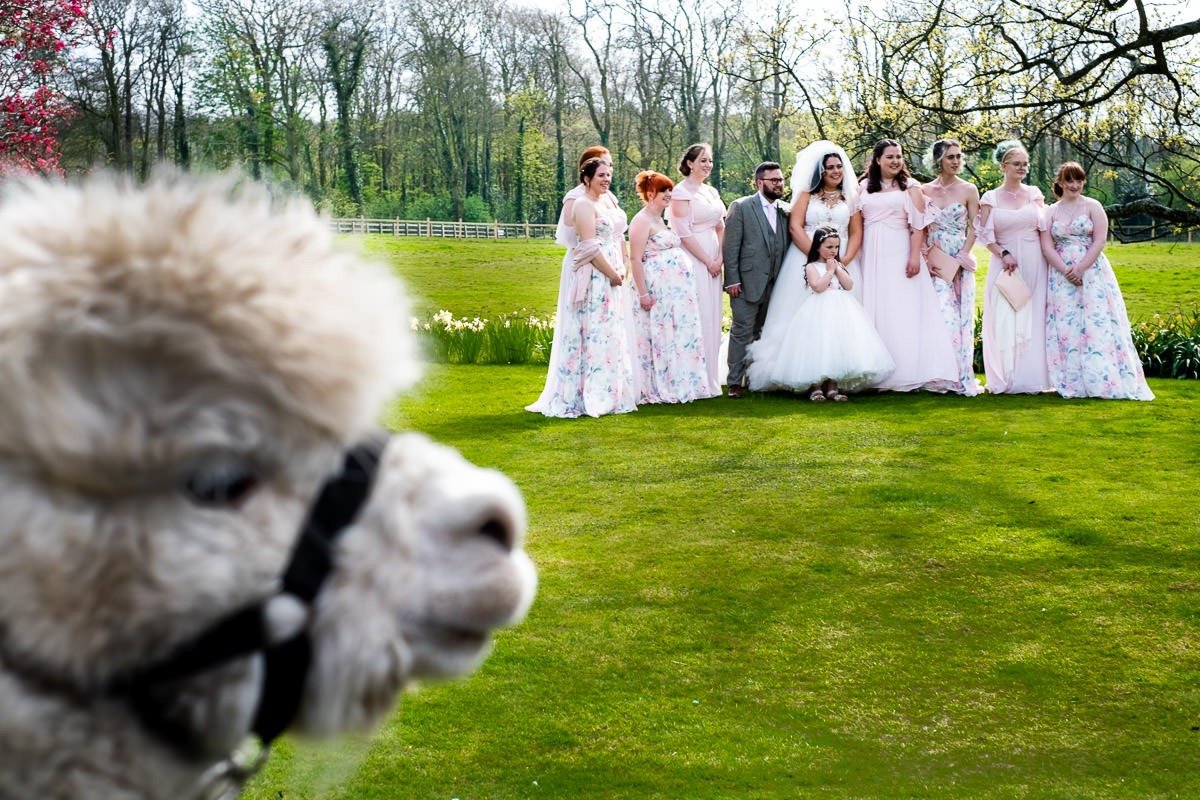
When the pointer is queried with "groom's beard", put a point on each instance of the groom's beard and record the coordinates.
(771, 194)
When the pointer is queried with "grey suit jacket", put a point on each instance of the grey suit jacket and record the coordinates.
(752, 252)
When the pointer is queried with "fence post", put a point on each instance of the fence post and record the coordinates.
(461, 233)
(428, 228)
(526, 229)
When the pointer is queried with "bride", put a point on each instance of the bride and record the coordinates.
(824, 194)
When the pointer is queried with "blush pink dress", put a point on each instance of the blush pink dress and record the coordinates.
(706, 214)
(905, 311)
(1014, 342)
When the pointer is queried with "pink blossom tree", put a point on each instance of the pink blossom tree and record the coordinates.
(34, 36)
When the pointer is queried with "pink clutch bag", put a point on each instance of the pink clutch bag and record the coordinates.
(1012, 288)
(942, 264)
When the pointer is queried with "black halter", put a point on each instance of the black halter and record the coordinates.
(243, 632)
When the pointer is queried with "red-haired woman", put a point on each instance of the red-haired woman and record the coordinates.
(671, 362)
(698, 216)
(591, 372)
(1089, 348)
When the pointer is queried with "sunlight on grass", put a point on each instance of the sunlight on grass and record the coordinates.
(904, 596)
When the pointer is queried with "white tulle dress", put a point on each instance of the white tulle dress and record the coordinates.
(827, 337)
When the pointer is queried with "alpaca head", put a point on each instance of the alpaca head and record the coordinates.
(183, 366)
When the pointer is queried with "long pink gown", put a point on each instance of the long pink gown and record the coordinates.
(905, 311)
(1014, 342)
(706, 215)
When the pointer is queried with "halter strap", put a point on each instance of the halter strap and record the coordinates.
(244, 632)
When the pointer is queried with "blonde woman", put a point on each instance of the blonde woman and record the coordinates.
(1014, 340)
(951, 204)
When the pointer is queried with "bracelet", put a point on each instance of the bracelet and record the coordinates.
(643, 294)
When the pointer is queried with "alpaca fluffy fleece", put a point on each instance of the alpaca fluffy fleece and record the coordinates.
(191, 334)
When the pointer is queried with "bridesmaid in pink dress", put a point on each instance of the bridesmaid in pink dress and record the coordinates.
(898, 294)
(698, 216)
(1014, 342)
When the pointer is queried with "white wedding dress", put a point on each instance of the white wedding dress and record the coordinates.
(827, 338)
(791, 290)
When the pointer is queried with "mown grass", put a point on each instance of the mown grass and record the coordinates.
(905, 596)
(486, 277)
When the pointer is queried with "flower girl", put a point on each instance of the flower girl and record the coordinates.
(829, 345)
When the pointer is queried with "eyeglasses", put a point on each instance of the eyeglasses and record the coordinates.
(771, 180)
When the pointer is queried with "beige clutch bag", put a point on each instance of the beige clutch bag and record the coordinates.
(942, 264)
(1012, 288)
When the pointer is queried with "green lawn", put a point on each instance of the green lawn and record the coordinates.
(905, 596)
(485, 277)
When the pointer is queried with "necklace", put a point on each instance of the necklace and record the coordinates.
(1011, 192)
(943, 187)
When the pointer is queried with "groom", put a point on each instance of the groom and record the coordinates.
(756, 237)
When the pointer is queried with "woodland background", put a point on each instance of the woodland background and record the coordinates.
(477, 109)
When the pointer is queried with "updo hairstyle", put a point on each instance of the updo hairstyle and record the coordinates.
(1008, 146)
(588, 169)
(938, 150)
(650, 183)
(595, 151)
(691, 154)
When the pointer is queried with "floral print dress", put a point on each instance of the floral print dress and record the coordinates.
(672, 364)
(593, 374)
(947, 228)
(1089, 348)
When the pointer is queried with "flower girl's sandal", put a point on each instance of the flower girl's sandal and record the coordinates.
(836, 396)
(817, 396)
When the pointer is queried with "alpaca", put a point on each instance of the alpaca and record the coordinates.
(204, 536)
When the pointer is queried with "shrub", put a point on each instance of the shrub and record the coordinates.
(1170, 346)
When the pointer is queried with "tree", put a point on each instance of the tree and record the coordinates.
(345, 34)
(252, 49)
(1118, 80)
(35, 35)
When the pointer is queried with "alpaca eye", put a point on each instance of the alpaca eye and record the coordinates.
(220, 485)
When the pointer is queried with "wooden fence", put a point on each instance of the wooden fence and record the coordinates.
(443, 229)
